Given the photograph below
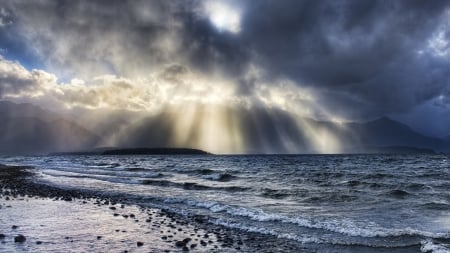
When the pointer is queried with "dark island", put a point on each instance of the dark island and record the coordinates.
(155, 151)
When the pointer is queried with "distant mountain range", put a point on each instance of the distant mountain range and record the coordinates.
(29, 129)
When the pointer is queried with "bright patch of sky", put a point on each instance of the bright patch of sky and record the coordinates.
(224, 16)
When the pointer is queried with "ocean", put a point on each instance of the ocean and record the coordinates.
(334, 203)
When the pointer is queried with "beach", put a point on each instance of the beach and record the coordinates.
(42, 218)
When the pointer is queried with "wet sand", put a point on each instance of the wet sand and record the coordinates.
(42, 218)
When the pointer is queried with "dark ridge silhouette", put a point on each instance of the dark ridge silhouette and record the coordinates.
(155, 151)
(399, 150)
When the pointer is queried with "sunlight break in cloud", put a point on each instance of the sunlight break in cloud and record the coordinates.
(224, 16)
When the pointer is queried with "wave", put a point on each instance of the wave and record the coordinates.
(345, 226)
(429, 246)
(192, 186)
(307, 239)
(137, 169)
(224, 177)
(101, 164)
(205, 171)
(398, 193)
(274, 194)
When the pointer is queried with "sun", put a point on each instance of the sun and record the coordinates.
(223, 16)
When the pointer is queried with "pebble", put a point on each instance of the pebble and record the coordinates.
(180, 244)
(139, 244)
(20, 238)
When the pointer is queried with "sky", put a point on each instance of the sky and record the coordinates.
(336, 61)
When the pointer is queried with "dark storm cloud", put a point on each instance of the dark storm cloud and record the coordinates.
(364, 53)
(89, 38)
(362, 58)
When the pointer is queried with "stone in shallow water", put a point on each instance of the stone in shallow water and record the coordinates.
(20, 238)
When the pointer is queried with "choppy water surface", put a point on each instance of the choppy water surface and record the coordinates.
(379, 202)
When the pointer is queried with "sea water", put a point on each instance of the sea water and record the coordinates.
(388, 203)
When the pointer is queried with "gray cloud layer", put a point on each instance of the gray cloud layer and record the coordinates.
(361, 59)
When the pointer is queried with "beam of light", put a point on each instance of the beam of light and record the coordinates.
(321, 140)
(210, 127)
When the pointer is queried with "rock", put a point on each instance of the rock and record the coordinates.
(2, 236)
(14, 227)
(139, 244)
(99, 237)
(38, 242)
(180, 244)
(20, 238)
(187, 240)
(193, 245)
(164, 237)
(112, 207)
(185, 248)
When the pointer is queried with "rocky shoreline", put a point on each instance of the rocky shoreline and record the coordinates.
(169, 232)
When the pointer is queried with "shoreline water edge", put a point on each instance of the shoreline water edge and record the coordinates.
(159, 230)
